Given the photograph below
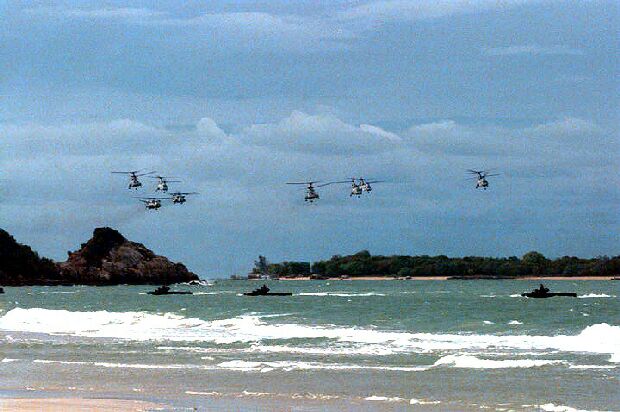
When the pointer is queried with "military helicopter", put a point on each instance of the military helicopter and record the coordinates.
(152, 203)
(359, 186)
(365, 184)
(481, 177)
(311, 193)
(134, 183)
(180, 197)
(162, 184)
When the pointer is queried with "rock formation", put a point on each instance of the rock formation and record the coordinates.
(109, 259)
(106, 259)
(20, 265)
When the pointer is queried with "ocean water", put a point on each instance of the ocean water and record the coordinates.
(333, 345)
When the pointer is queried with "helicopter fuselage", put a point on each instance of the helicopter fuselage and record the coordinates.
(152, 204)
(356, 190)
(134, 184)
(311, 195)
(483, 183)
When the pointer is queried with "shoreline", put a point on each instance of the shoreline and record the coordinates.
(448, 278)
(79, 404)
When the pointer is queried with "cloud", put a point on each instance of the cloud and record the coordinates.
(322, 133)
(566, 128)
(533, 50)
(124, 136)
(405, 10)
(116, 13)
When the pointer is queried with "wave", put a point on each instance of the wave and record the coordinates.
(384, 398)
(515, 322)
(120, 365)
(472, 362)
(549, 407)
(287, 366)
(599, 338)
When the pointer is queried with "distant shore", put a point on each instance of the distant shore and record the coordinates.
(447, 278)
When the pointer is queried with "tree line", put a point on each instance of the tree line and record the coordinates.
(364, 264)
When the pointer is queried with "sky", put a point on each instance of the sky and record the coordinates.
(237, 98)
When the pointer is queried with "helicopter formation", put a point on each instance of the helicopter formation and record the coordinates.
(153, 202)
(358, 186)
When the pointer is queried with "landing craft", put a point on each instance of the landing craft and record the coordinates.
(134, 183)
(180, 197)
(311, 193)
(480, 176)
(162, 184)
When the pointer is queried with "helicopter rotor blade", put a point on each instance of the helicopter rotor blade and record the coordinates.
(303, 183)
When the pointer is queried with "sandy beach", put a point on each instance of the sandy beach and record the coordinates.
(76, 404)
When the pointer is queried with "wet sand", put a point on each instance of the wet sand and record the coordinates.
(76, 404)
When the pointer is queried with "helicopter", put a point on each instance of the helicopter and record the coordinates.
(481, 177)
(311, 193)
(180, 197)
(134, 183)
(359, 186)
(162, 183)
(152, 203)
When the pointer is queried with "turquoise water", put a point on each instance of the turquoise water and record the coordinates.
(333, 345)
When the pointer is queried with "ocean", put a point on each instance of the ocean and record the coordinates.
(332, 346)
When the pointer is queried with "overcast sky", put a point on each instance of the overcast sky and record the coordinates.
(236, 98)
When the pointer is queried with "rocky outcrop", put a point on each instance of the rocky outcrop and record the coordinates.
(108, 259)
(20, 265)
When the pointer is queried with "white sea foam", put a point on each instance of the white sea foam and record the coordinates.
(213, 393)
(414, 401)
(8, 360)
(253, 366)
(550, 407)
(472, 362)
(121, 365)
(384, 398)
(592, 367)
(488, 322)
(595, 295)
(140, 326)
(515, 322)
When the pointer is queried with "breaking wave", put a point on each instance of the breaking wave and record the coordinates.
(599, 338)
(472, 362)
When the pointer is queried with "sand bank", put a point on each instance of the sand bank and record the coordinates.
(76, 404)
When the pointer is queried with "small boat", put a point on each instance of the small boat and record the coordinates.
(165, 290)
(543, 292)
(264, 291)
